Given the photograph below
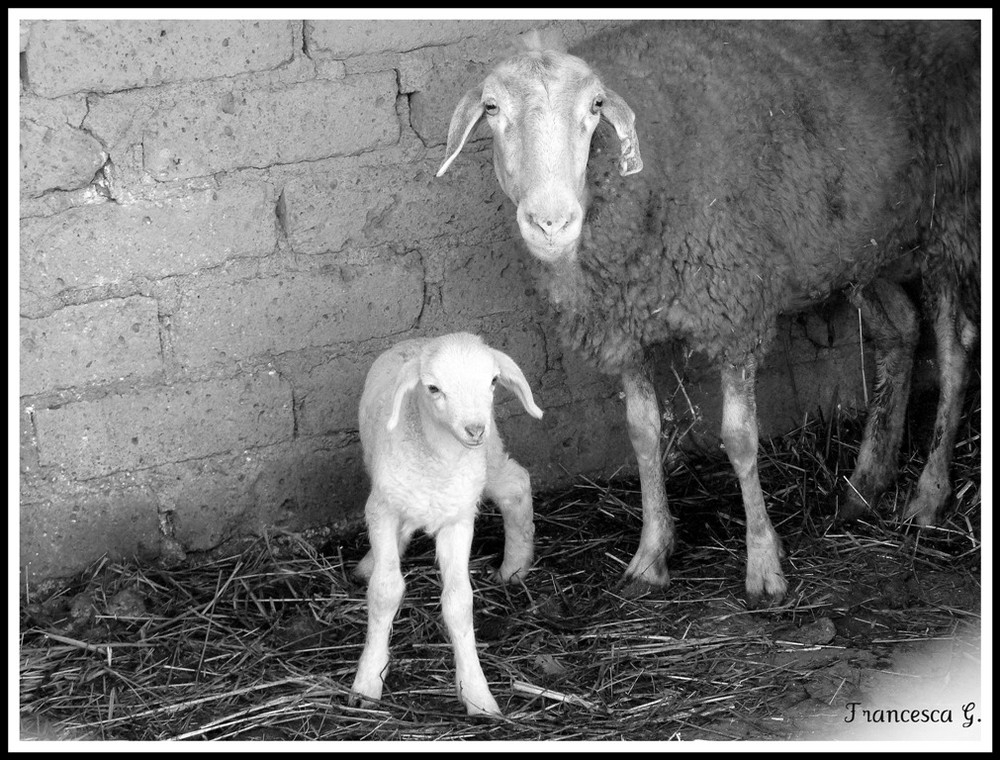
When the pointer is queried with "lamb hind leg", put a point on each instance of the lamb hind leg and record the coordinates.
(508, 485)
(891, 320)
(740, 434)
(956, 335)
(649, 566)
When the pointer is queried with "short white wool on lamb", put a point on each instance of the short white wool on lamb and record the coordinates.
(432, 449)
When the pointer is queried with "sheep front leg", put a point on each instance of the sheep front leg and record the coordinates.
(508, 485)
(740, 435)
(656, 543)
(385, 592)
(956, 335)
(454, 542)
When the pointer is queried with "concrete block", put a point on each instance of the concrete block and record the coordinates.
(110, 243)
(121, 55)
(234, 321)
(95, 342)
(327, 395)
(303, 121)
(61, 536)
(348, 203)
(489, 279)
(585, 437)
(159, 425)
(55, 154)
(345, 38)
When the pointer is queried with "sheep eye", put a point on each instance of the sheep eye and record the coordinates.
(494, 383)
(433, 390)
(598, 105)
(491, 107)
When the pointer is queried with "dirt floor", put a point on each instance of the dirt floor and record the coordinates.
(878, 637)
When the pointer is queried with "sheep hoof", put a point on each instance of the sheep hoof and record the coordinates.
(922, 510)
(766, 594)
(763, 600)
(849, 506)
(635, 588)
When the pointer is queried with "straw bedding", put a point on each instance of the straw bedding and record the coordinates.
(260, 640)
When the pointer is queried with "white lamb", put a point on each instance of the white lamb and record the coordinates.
(432, 450)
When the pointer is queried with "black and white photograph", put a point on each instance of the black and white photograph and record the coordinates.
(561, 379)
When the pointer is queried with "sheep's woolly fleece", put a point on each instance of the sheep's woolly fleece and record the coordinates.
(763, 194)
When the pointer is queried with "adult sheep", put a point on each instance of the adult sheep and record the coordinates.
(780, 162)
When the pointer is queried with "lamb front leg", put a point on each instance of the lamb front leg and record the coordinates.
(385, 592)
(740, 436)
(642, 411)
(454, 542)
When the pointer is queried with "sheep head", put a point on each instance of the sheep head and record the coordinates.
(543, 107)
(454, 377)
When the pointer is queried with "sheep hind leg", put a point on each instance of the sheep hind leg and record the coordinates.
(956, 335)
(385, 592)
(764, 578)
(508, 485)
(891, 320)
(454, 542)
(656, 543)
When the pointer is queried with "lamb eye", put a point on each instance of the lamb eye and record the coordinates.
(433, 390)
(494, 383)
(597, 105)
(491, 107)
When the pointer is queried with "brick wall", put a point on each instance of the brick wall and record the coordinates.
(223, 223)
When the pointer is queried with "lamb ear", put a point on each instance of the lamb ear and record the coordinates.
(622, 118)
(467, 114)
(512, 377)
(408, 379)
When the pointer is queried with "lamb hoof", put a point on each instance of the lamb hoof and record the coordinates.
(506, 574)
(354, 699)
(488, 711)
(479, 701)
(365, 691)
(363, 571)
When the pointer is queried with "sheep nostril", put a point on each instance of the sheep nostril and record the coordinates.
(475, 432)
(550, 225)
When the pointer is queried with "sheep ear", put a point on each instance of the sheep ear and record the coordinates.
(409, 378)
(466, 116)
(512, 377)
(622, 118)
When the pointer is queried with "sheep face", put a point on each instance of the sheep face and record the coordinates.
(453, 379)
(543, 108)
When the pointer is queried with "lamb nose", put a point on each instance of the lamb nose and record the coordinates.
(475, 431)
